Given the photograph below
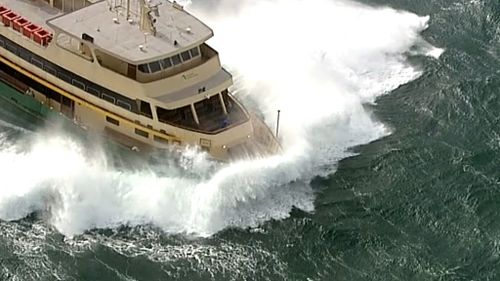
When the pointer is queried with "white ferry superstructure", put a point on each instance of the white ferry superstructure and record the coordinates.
(139, 71)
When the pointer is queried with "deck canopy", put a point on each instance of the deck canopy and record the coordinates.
(106, 26)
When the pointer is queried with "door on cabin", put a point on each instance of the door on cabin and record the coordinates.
(132, 71)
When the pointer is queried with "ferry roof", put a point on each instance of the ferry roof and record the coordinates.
(123, 39)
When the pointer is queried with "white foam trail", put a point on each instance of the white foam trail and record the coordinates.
(317, 63)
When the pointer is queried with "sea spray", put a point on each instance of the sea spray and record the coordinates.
(318, 63)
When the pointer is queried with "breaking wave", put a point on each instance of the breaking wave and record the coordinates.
(319, 64)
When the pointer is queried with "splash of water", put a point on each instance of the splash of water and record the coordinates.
(317, 63)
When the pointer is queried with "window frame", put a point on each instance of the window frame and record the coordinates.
(104, 96)
(154, 63)
(197, 49)
(124, 104)
(176, 56)
(188, 54)
(113, 121)
(162, 63)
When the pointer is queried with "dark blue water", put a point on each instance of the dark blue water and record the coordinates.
(420, 203)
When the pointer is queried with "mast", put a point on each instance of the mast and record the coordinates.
(128, 9)
(147, 22)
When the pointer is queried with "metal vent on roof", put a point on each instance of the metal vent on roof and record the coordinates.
(87, 37)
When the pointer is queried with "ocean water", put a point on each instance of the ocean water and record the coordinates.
(389, 170)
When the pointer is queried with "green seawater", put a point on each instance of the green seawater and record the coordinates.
(421, 203)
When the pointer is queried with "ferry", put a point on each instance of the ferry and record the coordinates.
(136, 71)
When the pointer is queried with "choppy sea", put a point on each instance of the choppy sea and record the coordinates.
(390, 170)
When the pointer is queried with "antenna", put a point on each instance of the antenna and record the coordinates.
(278, 124)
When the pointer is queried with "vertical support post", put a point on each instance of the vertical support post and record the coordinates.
(195, 115)
(278, 124)
(223, 104)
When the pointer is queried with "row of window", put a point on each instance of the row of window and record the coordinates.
(167, 63)
(143, 133)
(69, 77)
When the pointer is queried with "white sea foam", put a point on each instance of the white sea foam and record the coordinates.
(318, 63)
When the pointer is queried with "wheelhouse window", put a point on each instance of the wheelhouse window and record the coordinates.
(143, 68)
(211, 114)
(195, 52)
(176, 60)
(166, 63)
(214, 113)
(185, 56)
(172, 61)
(181, 116)
(154, 66)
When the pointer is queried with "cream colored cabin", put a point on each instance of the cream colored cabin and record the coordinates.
(140, 70)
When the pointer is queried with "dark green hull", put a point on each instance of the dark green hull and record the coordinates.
(24, 101)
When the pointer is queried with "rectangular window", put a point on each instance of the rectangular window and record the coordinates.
(145, 109)
(113, 121)
(2, 42)
(160, 139)
(12, 48)
(78, 84)
(124, 104)
(25, 55)
(194, 52)
(141, 133)
(108, 98)
(49, 69)
(144, 68)
(37, 62)
(64, 76)
(185, 56)
(176, 60)
(154, 66)
(166, 63)
(93, 91)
